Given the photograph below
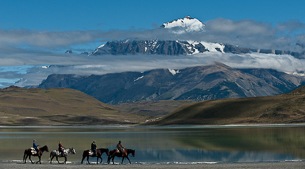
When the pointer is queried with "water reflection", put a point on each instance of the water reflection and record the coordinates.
(166, 144)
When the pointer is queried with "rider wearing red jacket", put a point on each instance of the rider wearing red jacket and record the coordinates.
(60, 148)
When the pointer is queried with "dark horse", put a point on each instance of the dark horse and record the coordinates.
(98, 155)
(28, 153)
(56, 153)
(115, 153)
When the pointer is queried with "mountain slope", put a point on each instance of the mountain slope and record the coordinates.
(186, 25)
(194, 83)
(178, 47)
(20, 106)
(286, 108)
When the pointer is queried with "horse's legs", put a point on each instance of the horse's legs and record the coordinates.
(88, 159)
(31, 159)
(65, 160)
(25, 156)
(113, 159)
(57, 159)
(39, 160)
(122, 159)
(128, 159)
(83, 159)
(109, 157)
(51, 158)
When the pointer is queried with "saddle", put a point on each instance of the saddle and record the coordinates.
(33, 151)
(91, 153)
(59, 153)
(123, 151)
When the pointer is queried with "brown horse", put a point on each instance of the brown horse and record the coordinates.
(28, 153)
(98, 155)
(115, 153)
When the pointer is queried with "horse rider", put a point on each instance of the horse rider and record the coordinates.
(61, 148)
(120, 148)
(93, 147)
(35, 146)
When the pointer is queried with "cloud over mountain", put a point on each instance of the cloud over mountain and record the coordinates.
(21, 48)
(244, 32)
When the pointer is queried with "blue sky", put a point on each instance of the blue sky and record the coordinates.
(62, 15)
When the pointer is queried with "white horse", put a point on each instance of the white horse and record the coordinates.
(56, 153)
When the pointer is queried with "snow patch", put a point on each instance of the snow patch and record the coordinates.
(296, 73)
(138, 78)
(173, 71)
(102, 45)
(212, 47)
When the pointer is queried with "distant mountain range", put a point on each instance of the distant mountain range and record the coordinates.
(180, 47)
(193, 83)
(171, 47)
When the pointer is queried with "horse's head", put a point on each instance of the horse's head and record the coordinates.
(44, 148)
(132, 152)
(72, 150)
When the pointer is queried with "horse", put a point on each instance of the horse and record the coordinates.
(29, 153)
(98, 155)
(115, 153)
(56, 153)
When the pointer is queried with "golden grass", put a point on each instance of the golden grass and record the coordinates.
(286, 108)
(20, 106)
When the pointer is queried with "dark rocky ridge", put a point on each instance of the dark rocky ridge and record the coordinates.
(171, 47)
(194, 83)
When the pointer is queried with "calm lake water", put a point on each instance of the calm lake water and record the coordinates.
(187, 144)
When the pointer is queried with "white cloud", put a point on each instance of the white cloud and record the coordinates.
(21, 48)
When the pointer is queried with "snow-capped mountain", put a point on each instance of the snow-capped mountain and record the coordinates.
(179, 47)
(184, 25)
(159, 47)
(171, 47)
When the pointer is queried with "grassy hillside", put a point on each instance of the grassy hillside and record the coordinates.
(286, 108)
(153, 109)
(20, 106)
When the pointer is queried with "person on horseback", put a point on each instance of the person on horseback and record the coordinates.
(120, 148)
(35, 146)
(93, 147)
(61, 148)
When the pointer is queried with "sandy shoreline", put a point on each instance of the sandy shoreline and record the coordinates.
(264, 165)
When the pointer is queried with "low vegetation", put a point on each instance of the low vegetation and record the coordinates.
(19, 106)
(285, 108)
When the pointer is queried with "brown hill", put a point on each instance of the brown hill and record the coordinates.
(286, 108)
(19, 106)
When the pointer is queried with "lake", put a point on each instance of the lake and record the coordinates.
(175, 144)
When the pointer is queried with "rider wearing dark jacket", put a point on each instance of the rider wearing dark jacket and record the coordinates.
(93, 147)
(35, 146)
(120, 147)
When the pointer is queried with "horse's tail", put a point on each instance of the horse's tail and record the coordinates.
(24, 155)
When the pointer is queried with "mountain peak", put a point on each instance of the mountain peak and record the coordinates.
(184, 25)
